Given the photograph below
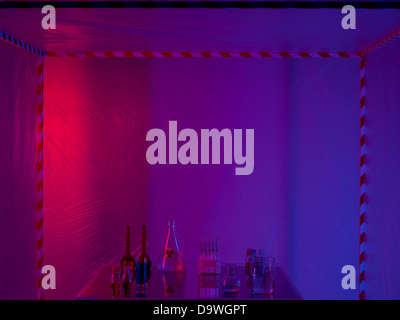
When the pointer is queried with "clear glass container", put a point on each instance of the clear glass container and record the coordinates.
(250, 254)
(141, 272)
(114, 281)
(269, 272)
(231, 283)
(209, 259)
(172, 283)
(141, 277)
(126, 281)
(171, 257)
(209, 286)
(263, 275)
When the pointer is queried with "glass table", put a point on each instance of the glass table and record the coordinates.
(189, 285)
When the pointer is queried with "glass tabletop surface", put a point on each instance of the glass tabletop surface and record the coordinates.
(188, 285)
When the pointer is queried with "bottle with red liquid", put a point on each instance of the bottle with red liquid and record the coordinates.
(128, 259)
(143, 265)
(143, 258)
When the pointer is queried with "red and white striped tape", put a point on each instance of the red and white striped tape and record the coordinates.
(129, 54)
(363, 146)
(384, 42)
(39, 179)
(10, 40)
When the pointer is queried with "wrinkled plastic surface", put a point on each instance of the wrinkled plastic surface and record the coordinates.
(18, 99)
(97, 111)
(198, 30)
(305, 114)
(383, 174)
(96, 179)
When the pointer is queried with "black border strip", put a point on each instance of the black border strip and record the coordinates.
(201, 4)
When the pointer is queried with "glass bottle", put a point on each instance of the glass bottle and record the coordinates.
(269, 272)
(217, 257)
(126, 281)
(143, 258)
(171, 257)
(128, 259)
(231, 283)
(202, 257)
(115, 280)
(141, 277)
(250, 253)
(258, 281)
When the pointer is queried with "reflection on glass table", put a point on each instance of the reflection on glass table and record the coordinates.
(189, 285)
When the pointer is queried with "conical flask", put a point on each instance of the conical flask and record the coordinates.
(171, 257)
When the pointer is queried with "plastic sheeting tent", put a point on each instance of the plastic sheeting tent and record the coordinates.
(98, 108)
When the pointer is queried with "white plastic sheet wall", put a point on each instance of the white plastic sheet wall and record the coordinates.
(324, 175)
(383, 175)
(18, 98)
(305, 113)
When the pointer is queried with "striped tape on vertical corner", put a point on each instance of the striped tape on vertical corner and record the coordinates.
(362, 179)
(39, 180)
